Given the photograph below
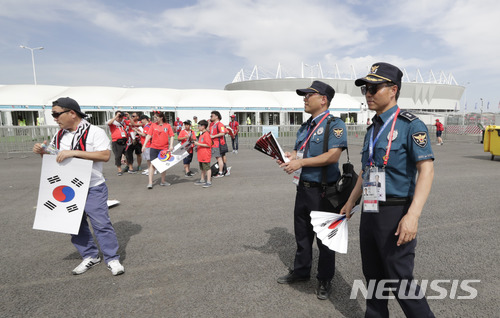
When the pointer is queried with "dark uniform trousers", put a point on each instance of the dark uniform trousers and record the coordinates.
(383, 259)
(307, 200)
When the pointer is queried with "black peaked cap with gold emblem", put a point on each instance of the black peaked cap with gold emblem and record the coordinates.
(381, 73)
(320, 88)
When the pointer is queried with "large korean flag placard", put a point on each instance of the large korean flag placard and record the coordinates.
(62, 195)
(168, 159)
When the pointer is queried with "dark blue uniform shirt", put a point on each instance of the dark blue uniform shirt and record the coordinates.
(410, 145)
(337, 139)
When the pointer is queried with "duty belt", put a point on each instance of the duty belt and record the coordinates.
(307, 184)
(395, 201)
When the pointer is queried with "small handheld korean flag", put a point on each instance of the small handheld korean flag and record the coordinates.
(267, 144)
(62, 195)
(331, 229)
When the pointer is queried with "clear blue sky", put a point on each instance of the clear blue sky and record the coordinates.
(203, 44)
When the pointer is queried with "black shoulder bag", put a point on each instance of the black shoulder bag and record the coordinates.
(338, 194)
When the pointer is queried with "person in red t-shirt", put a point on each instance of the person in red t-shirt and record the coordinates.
(219, 146)
(234, 126)
(439, 132)
(120, 141)
(142, 132)
(178, 126)
(203, 147)
(160, 133)
(187, 135)
(136, 146)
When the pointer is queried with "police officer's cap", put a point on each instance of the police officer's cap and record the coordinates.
(381, 73)
(318, 87)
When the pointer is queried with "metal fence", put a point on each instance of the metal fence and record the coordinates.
(20, 139)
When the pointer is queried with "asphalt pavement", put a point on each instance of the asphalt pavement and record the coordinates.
(217, 252)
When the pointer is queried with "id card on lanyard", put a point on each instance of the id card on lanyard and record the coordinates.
(296, 173)
(121, 127)
(374, 180)
(300, 152)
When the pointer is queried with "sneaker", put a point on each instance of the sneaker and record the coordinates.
(86, 264)
(163, 184)
(200, 182)
(132, 171)
(219, 175)
(188, 174)
(236, 151)
(120, 173)
(150, 186)
(125, 169)
(115, 267)
(207, 185)
(145, 172)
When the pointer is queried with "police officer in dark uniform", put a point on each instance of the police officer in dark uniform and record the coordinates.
(396, 147)
(306, 164)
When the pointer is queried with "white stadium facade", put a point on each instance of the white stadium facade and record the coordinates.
(264, 101)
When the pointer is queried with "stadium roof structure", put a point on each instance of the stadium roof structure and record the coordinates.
(436, 93)
(417, 96)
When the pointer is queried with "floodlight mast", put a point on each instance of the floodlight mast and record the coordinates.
(32, 58)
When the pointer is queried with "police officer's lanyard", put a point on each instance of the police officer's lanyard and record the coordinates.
(300, 152)
(316, 127)
(394, 117)
(374, 181)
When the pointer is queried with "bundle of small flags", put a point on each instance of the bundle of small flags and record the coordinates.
(267, 144)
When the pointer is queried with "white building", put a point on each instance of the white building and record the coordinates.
(263, 107)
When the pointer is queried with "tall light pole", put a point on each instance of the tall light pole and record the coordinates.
(481, 111)
(32, 57)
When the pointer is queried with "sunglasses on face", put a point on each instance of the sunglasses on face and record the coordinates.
(306, 96)
(373, 89)
(56, 114)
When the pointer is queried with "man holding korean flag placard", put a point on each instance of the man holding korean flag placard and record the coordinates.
(72, 186)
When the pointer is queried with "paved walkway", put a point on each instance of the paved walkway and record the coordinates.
(216, 252)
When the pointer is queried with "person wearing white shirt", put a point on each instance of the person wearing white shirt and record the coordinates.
(77, 138)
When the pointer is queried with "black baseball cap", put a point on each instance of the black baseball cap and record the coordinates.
(187, 122)
(381, 73)
(69, 103)
(318, 87)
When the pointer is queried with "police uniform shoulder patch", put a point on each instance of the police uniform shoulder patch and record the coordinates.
(338, 132)
(407, 115)
(420, 138)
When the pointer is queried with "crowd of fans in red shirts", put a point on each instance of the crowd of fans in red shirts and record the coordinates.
(148, 137)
